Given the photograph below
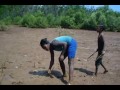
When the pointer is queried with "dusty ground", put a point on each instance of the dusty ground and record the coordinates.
(24, 62)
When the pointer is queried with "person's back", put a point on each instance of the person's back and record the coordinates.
(56, 41)
(64, 39)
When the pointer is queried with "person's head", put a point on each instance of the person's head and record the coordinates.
(45, 44)
(100, 28)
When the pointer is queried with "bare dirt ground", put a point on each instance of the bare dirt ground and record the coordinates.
(24, 62)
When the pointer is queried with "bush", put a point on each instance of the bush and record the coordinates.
(117, 24)
(17, 20)
(67, 22)
(7, 20)
(111, 23)
(38, 13)
(29, 20)
(51, 20)
(3, 27)
(79, 18)
(85, 24)
(102, 20)
(57, 22)
(90, 23)
(41, 22)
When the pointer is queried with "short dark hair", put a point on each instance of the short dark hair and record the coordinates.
(102, 27)
(43, 42)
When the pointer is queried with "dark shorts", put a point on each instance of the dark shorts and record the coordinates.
(98, 62)
(72, 49)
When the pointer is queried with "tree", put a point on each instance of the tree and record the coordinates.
(118, 24)
(102, 20)
(29, 20)
(68, 16)
(111, 23)
(90, 23)
(67, 22)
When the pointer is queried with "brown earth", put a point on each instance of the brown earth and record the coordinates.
(24, 62)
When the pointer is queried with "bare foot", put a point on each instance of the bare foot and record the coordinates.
(105, 71)
(96, 74)
(68, 84)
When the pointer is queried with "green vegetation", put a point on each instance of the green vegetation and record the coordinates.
(3, 27)
(65, 16)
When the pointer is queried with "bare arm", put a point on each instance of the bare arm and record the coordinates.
(64, 47)
(64, 44)
(71, 70)
(52, 58)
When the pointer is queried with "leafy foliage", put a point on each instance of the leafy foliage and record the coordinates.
(65, 16)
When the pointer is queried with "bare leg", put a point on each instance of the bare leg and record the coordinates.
(97, 63)
(62, 65)
(104, 68)
(96, 70)
(71, 69)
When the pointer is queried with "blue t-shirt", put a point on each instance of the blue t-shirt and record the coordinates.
(66, 39)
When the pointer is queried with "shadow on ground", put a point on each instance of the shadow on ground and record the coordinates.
(85, 71)
(53, 74)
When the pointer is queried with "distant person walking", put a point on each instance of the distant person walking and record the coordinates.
(100, 50)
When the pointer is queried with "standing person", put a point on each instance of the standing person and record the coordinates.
(68, 46)
(100, 50)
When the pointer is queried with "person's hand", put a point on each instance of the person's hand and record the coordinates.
(49, 71)
(61, 57)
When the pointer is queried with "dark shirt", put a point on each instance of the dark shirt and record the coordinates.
(56, 46)
(101, 43)
(59, 42)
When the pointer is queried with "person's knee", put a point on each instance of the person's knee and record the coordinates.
(71, 61)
